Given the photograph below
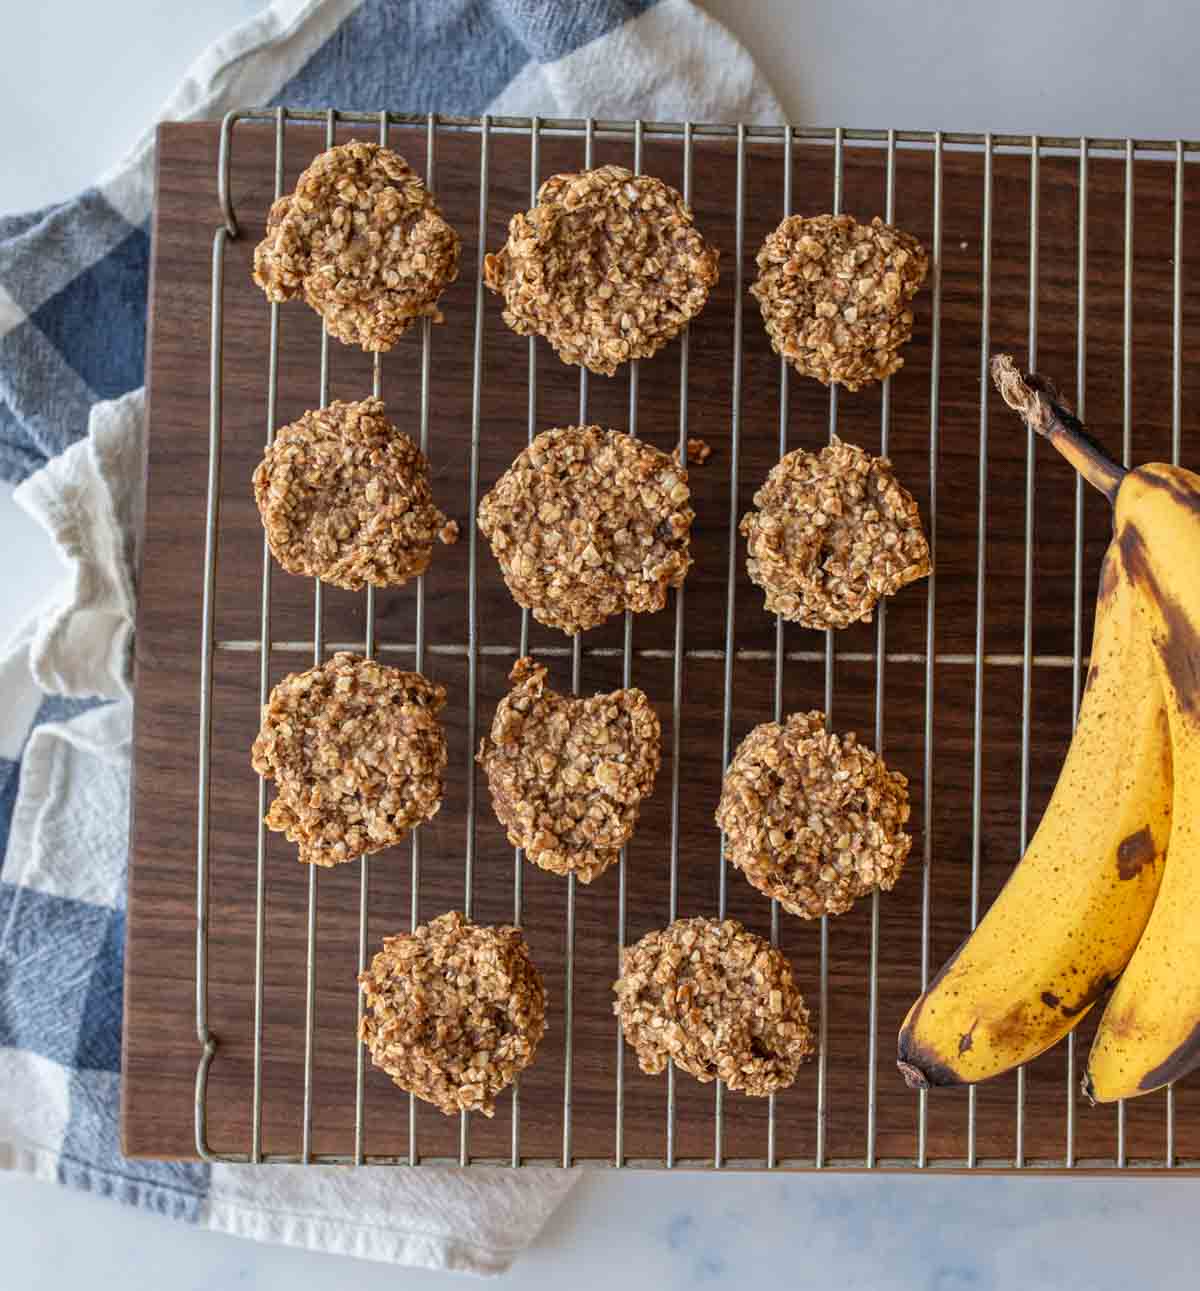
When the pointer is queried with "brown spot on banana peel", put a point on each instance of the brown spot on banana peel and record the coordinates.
(1013, 1027)
(964, 1041)
(1185, 1059)
(1110, 576)
(1178, 642)
(1095, 990)
(1050, 1000)
(1135, 853)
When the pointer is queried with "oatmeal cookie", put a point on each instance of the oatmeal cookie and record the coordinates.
(814, 819)
(364, 242)
(717, 1000)
(587, 523)
(357, 755)
(835, 295)
(568, 775)
(608, 266)
(344, 496)
(834, 531)
(453, 1011)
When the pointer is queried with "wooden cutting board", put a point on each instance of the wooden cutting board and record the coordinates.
(161, 1050)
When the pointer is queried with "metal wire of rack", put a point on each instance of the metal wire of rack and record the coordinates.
(535, 129)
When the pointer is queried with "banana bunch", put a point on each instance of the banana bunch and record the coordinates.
(1094, 901)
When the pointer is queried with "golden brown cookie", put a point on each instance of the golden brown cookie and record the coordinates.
(587, 523)
(363, 241)
(344, 496)
(833, 532)
(718, 1001)
(568, 775)
(357, 754)
(813, 819)
(835, 295)
(453, 1011)
(608, 266)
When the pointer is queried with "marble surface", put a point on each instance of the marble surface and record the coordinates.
(1025, 65)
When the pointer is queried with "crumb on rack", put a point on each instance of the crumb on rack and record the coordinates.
(698, 452)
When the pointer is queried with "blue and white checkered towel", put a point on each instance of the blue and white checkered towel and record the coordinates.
(73, 284)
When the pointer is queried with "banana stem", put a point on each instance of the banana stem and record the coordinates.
(1037, 401)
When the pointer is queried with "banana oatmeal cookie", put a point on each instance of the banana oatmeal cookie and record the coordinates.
(812, 818)
(345, 497)
(834, 531)
(835, 295)
(717, 1000)
(357, 755)
(364, 242)
(608, 266)
(453, 1011)
(587, 523)
(568, 775)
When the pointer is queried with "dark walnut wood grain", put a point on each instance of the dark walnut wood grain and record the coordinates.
(161, 1050)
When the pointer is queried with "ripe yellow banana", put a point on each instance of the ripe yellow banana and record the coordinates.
(1150, 1032)
(1072, 911)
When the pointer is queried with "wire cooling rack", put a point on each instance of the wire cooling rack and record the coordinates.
(888, 143)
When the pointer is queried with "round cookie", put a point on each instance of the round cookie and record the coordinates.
(608, 266)
(835, 295)
(344, 496)
(716, 1000)
(568, 775)
(812, 818)
(357, 754)
(834, 531)
(453, 1011)
(587, 523)
(363, 241)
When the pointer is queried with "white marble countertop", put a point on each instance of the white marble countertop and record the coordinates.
(1026, 65)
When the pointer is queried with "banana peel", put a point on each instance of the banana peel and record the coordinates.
(980, 1016)
(1069, 917)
